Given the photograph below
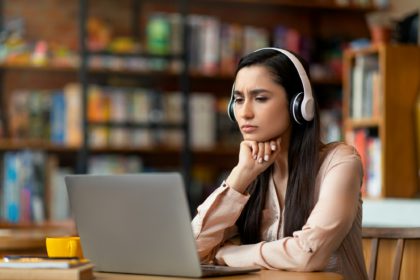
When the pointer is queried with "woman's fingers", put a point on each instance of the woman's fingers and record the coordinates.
(261, 152)
(273, 145)
(254, 150)
(267, 151)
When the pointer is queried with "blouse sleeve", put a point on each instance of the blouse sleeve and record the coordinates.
(310, 248)
(215, 220)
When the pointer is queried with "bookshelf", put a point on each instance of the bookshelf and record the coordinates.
(125, 122)
(381, 85)
(316, 21)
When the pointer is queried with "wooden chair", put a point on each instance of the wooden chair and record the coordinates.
(392, 253)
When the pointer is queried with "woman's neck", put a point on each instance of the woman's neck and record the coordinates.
(281, 169)
(281, 164)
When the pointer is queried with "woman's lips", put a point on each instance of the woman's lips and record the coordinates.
(248, 128)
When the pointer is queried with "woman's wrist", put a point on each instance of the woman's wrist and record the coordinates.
(238, 180)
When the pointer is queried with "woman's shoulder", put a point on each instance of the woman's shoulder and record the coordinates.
(338, 152)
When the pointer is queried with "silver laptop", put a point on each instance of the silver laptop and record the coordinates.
(138, 224)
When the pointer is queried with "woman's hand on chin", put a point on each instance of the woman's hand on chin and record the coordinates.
(254, 158)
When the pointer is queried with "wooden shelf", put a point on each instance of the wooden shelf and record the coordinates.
(399, 72)
(93, 70)
(30, 67)
(194, 75)
(316, 4)
(47, 225)
(371, 49)
(363, 123)
(15, 144)
(7, 144)
(134, 55)
(162, 150)
(29, 238)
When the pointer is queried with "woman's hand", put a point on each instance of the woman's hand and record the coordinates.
(254, 158)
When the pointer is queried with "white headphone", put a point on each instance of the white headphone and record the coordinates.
(302, 109)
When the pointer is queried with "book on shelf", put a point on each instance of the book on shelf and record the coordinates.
(53, 115)
(172, 103)
(29, 262)
(58, 208)
(360, 143)
(98, 111)
(127, 107)
(19, 114)
(365, 88)
(32, 188)
(374, 170)
(73, 99)
(22, 190)
(140, 108)
(114, 164)
(58, 117)
(204, 44)
(203, 120)
(215, 46)
(119, 136)
(330, 125)
(369, 148)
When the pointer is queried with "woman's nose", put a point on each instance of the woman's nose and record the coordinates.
(246, 110)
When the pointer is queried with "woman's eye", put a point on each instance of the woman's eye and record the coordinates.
(261, 98)
(238, 100)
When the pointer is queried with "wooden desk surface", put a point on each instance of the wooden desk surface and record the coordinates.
(262, 275)
(28, 240)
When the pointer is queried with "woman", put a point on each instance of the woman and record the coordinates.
(291, 202)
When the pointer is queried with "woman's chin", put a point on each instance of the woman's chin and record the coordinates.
(254, 138)
(259, 138)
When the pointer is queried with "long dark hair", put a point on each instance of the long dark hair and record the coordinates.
(303, 155)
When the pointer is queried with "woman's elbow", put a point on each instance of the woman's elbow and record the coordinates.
(311, 262)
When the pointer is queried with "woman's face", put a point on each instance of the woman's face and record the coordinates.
(261, 106)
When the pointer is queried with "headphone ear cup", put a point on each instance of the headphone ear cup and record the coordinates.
(295, 108)
(230, 111)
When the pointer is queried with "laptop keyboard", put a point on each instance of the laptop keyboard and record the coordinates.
(211, 267)
(218, 270)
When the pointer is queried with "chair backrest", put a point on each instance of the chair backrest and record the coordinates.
(399, 236)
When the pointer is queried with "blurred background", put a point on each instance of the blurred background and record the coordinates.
(128, 86)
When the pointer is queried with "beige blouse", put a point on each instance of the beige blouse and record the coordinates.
(329, 241)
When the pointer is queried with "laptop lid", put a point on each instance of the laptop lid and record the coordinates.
(134, 223)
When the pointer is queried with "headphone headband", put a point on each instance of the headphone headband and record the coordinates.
(307, 105)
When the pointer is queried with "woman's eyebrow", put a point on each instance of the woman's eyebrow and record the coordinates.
(252, 92)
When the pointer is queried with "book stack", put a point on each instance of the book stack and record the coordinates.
(37, 268)
(22, 190)
(369, 149)
(365, 88)
(53, 115)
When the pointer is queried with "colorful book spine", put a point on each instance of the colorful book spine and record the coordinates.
(11, 197)
(23, 197)
(58, 118)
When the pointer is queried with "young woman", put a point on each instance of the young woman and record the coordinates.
(291, 202)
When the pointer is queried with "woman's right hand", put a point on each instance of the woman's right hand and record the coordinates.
(254, 158)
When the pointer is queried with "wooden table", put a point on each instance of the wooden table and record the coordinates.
(262, 275)
(29, 240)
